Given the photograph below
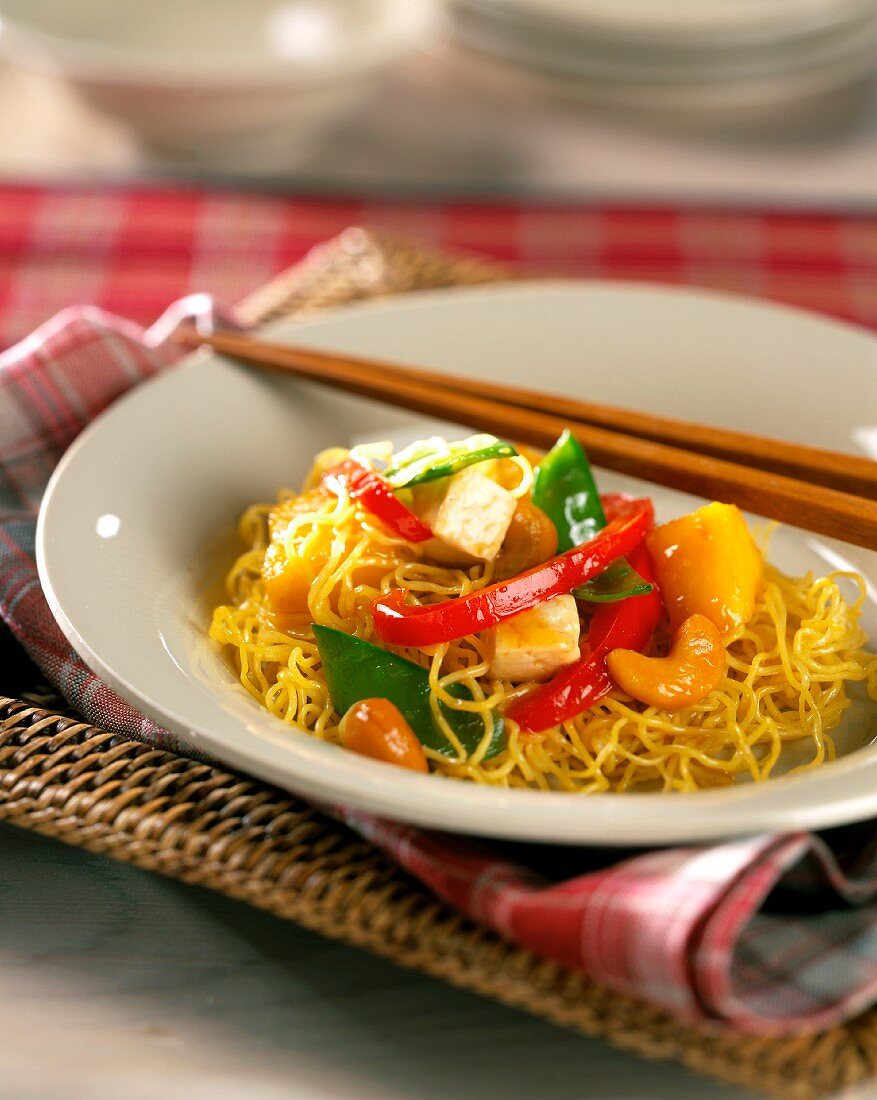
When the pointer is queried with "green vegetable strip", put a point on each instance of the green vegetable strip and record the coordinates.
(618, 582)
(446, 464)
(565, 489)
(355, 670)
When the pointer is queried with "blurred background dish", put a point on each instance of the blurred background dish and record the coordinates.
(219, 80)
(680, 54)
(737, 100)
(673, 22)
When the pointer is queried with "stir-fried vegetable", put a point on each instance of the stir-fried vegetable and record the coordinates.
(287, 575)
(618, 582)
(365, 485)
(565, 489)
(404, 625)
(356, 670)
(704, 559)
(707, 563)
(434, 458)
(624, 624)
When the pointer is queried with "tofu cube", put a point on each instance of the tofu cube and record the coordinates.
(536, 643)
(469, 517)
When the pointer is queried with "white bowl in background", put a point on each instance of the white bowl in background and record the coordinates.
(189, 77)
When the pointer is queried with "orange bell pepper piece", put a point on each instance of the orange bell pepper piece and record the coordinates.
(706, 563)
(687, 674)
(377, 728)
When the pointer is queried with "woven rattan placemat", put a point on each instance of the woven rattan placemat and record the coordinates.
(165, 813)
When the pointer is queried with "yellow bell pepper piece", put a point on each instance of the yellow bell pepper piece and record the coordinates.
(707, 563)
(288, 579)
(289, 570)
(287, 583)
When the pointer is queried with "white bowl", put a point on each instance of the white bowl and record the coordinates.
(190, 76)
(139, 519)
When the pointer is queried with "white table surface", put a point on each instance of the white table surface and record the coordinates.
(117, 983)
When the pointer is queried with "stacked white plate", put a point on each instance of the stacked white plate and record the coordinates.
(683, 52)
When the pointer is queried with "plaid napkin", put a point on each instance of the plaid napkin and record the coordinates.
(769, 934)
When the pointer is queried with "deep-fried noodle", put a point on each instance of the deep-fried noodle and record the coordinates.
(785, 679)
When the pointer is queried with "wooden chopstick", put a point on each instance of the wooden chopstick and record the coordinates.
(814, 507)
(847, 473)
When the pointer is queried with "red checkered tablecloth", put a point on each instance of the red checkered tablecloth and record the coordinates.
(132, 251)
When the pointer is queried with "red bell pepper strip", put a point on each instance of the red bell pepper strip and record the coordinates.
(619, 504)
(364, 484)
(398, 623)
(627, 624)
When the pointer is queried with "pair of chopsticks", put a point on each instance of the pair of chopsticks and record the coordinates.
(819, 490)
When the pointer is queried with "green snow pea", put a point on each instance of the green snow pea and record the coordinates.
(565, 489)
(355, 670)
(434, 459)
